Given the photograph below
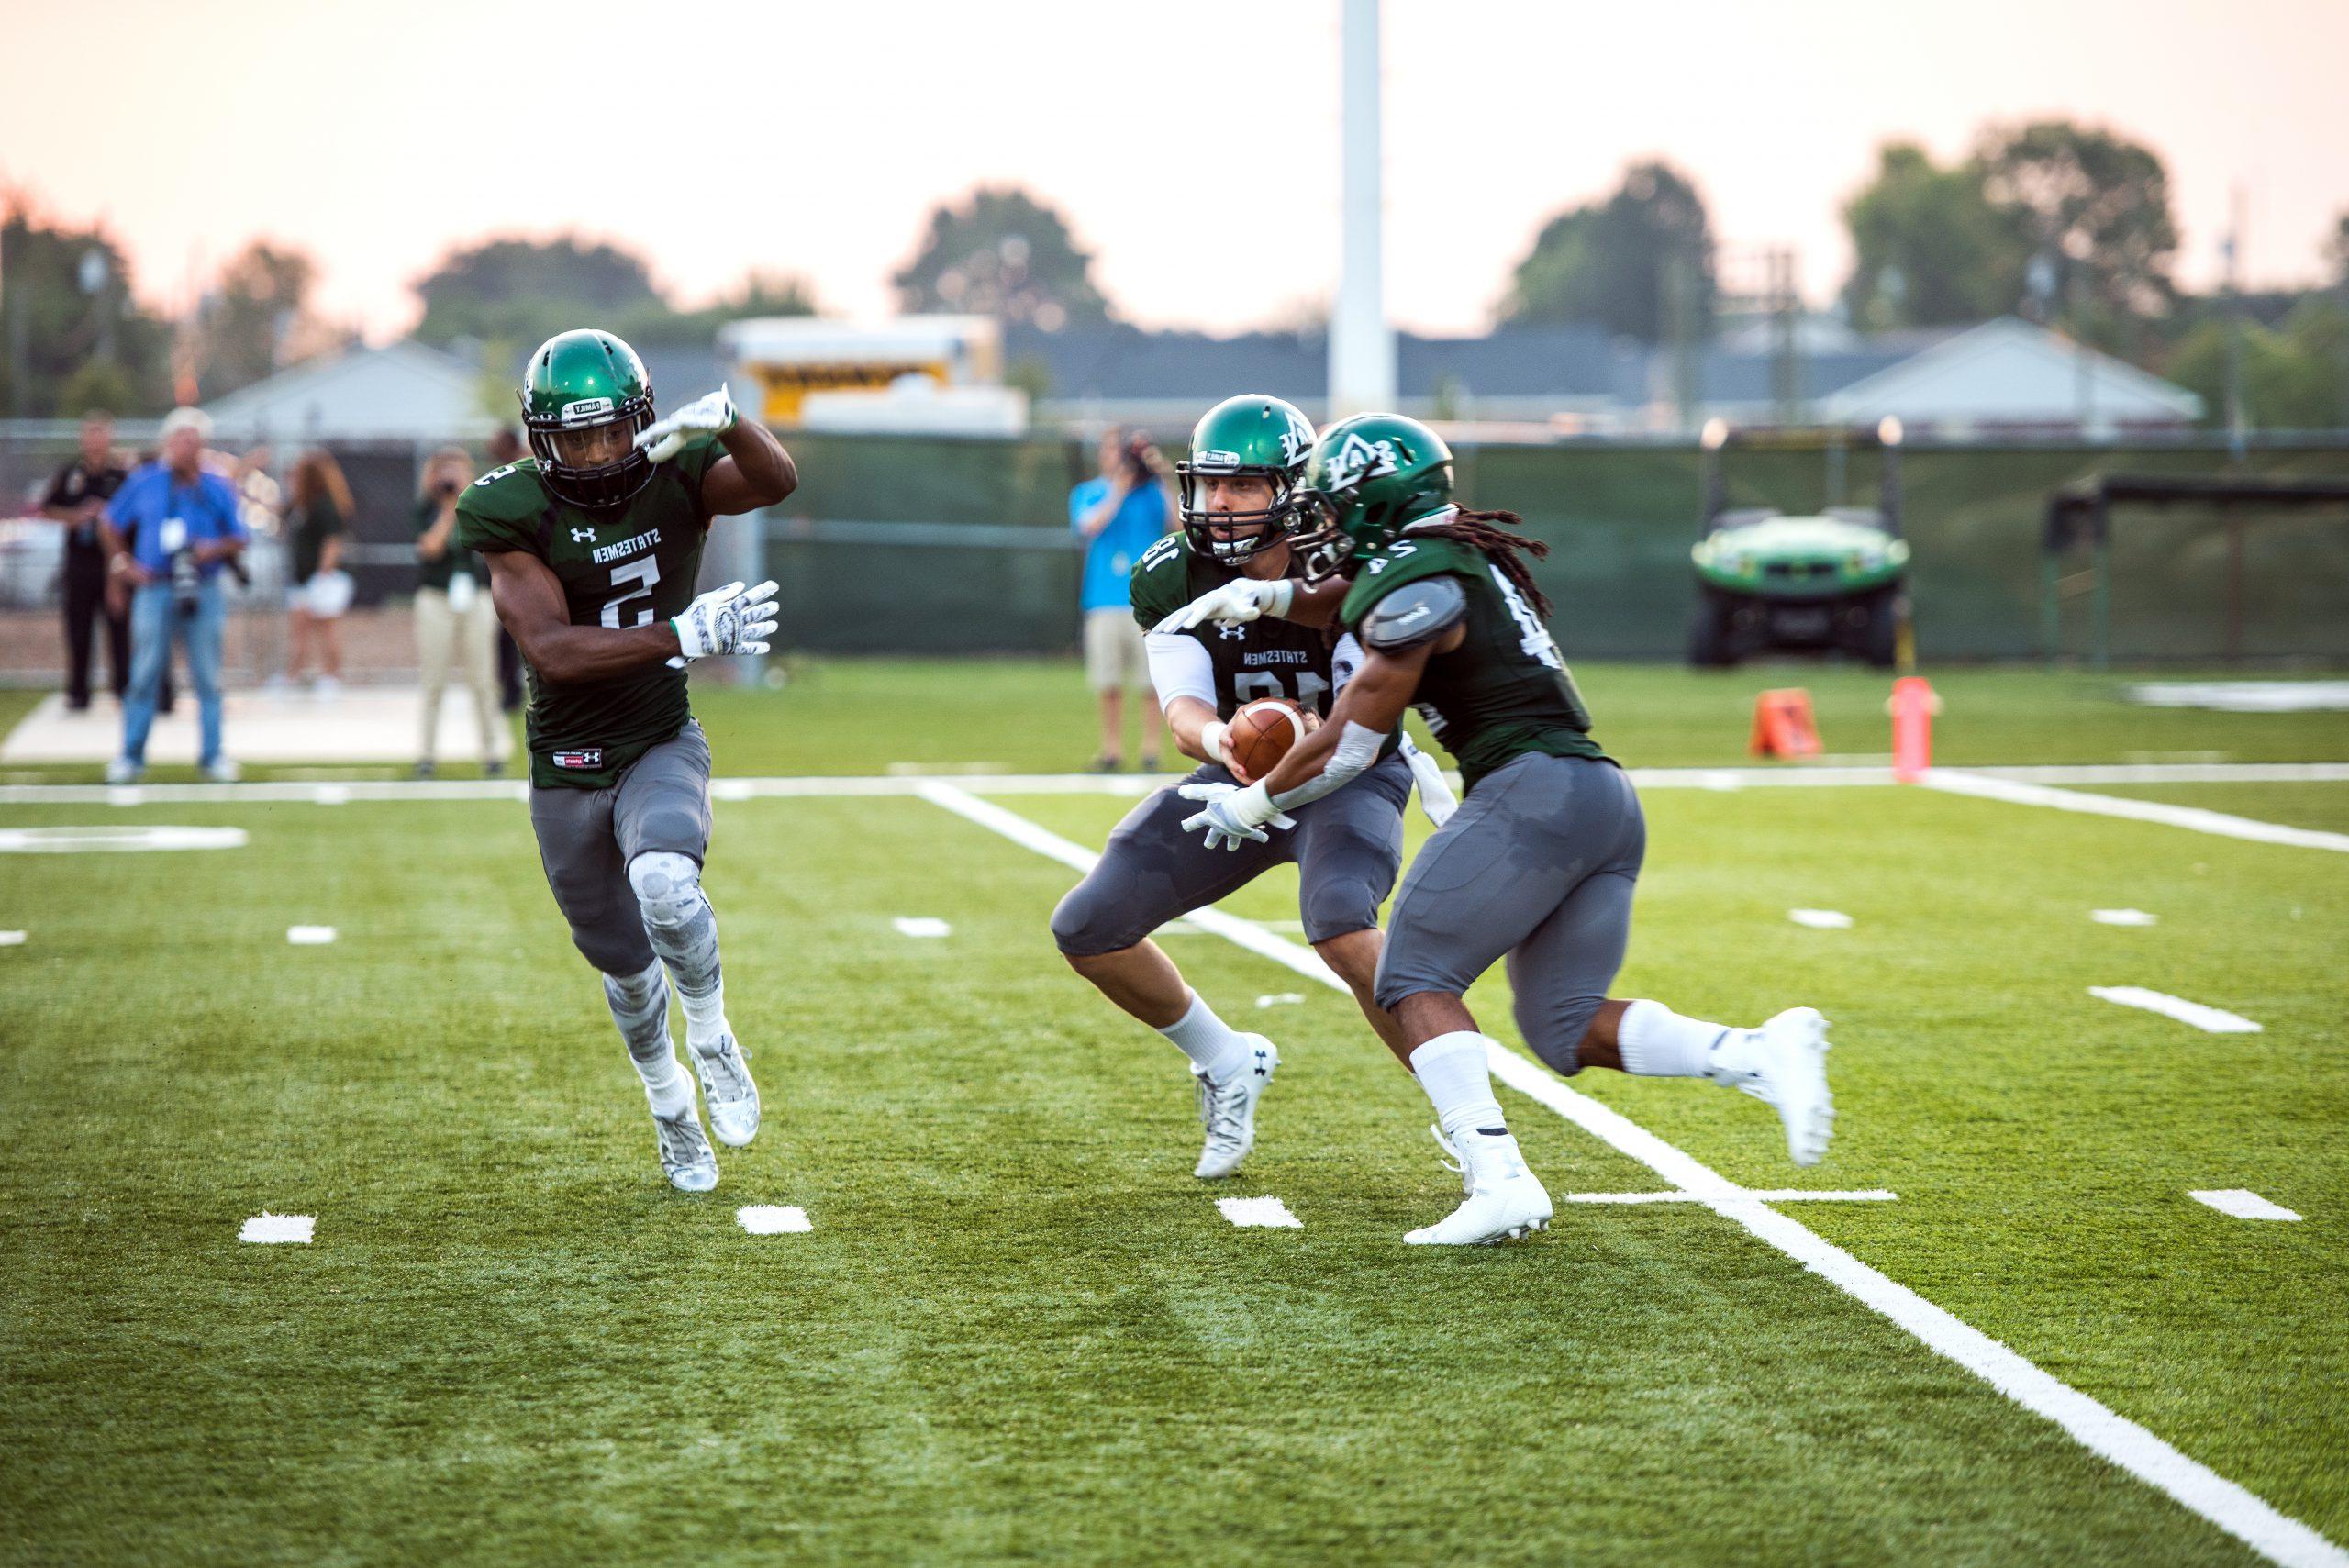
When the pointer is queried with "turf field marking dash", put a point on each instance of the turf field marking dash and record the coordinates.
(2242, 1203)
(921, 926)
(772, 1219)
(12, 939)
(1269, 1212)
(1820, 920)
(2214, 1020)
(278, 1229)
(309, 936)
(2093, 1425)
(2120, 917)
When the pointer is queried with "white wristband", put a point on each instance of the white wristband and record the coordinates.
(1211, 735)
(1282, 596)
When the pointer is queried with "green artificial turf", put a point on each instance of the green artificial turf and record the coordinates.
(1019, 1331)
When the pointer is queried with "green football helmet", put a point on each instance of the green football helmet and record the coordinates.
(1250, 436)
(584, 400)
(1367, 479)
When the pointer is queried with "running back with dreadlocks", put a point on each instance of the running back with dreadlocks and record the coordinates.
(1504, 690)
(1491, 532)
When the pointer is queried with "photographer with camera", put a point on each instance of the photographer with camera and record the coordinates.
(170, 532)
(455, 620)
(1120, 513)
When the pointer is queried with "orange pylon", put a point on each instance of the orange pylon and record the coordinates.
(1783, 725)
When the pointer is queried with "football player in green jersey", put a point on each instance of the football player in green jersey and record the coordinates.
(1245, 454)
(593, 544)
(1537, 866)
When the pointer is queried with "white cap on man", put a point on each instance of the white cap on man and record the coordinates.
(187, 418)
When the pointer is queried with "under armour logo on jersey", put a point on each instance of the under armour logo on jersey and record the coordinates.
(583, 536)
(1236, 631)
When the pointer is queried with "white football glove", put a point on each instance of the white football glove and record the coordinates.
(1237, 601)
(1233, 815)
(725, 620)
(665, 438)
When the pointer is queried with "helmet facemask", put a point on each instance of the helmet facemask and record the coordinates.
(1310, 520)
(1202, 525)
(587, 454)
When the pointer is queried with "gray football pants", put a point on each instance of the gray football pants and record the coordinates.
(1538, 865)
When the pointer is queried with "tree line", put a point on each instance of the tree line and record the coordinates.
(2067, 224)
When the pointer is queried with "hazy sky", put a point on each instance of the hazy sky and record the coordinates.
(1194, 145)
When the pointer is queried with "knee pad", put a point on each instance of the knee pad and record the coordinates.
(668, 886)
(1553, 1032)
(1085, 924)
(1335, 906)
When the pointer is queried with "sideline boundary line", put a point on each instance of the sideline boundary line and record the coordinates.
(2096, 1426)
(1959, 781)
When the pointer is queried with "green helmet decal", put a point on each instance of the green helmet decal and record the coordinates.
(1250, 436)
(1367, 479)
(584, 399)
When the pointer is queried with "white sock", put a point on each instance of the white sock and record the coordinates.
(1214, 1047)
(1657, 1042)
(705, 1023)
(1452, 1069)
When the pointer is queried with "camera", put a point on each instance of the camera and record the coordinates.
(1137, 464)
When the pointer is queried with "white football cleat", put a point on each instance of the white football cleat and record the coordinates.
(686, 1158)
(123, 770)
(1505, 1200)
(726, 1085)
(1784, 1064)
(1229, 1110)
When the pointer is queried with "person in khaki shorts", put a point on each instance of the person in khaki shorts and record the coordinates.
(1124, 511)
(455, 623)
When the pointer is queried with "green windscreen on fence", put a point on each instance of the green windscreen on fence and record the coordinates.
(1618, 521)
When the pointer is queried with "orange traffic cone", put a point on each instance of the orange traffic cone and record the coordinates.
(1783, 725)
(1912, 707)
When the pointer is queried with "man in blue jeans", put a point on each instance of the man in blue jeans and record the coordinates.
(1119, 515)
(171, 531)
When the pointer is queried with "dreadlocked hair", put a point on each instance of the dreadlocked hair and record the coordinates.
(1484, 531)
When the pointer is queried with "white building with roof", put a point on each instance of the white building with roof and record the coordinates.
(403, 390)
(2006, 375)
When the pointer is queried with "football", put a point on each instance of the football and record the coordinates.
(1262, 733)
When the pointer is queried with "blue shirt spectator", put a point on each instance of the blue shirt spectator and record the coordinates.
(1140, 522)
(153, 498)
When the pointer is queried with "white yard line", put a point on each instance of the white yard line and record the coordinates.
(2242, 1203)
(2103, 1432)
(2212, 1020)
(1990, 788)
(115, 837)
(1131, 785)
(1760, 1194)
(1268, 1212)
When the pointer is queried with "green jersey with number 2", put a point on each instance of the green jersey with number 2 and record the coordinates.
(627, 566)
(1505, 691)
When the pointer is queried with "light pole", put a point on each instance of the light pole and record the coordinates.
(1361, 345)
